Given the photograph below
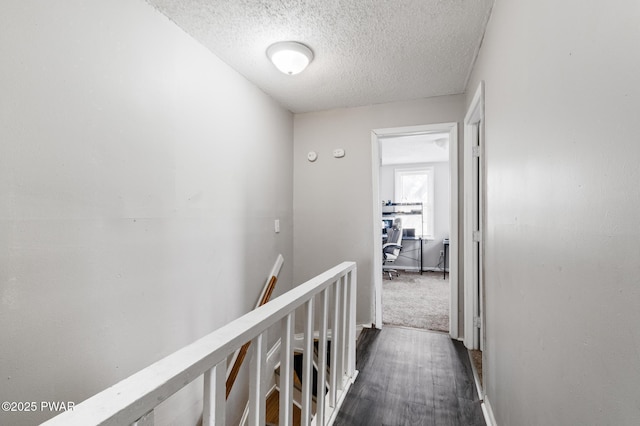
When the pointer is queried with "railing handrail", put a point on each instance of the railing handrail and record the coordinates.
(133, 397)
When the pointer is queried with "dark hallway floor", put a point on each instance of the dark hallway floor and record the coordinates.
(411, 377)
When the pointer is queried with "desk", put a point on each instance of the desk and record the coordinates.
(444, 265)
(418, 239)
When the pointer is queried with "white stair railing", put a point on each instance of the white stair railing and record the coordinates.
(133, 400)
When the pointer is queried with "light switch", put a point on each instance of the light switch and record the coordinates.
(276, 225)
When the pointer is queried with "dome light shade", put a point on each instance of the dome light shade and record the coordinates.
(290, 57)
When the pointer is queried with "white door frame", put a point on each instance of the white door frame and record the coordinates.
(473, 262)
(452, 129)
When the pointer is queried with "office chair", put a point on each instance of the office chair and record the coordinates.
(391, 249)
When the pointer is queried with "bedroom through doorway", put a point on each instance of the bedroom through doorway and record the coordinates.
(414, 194)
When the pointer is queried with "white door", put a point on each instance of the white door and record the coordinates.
(477, 220)
(473, 189)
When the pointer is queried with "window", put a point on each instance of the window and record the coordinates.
(416, 186)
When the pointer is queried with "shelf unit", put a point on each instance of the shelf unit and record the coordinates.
(390, 210)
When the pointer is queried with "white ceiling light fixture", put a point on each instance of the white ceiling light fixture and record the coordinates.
(290, 57)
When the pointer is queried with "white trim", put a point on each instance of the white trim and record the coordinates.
(275, 271)
(359, 328)
(454, 240)
(452, 129)
(475, 112)
(476, 377)
(376, 273)
(489, 418)
(473, 123)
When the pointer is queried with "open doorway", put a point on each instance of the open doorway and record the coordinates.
(415, 188)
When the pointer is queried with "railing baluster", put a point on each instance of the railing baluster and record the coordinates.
(344, 331)
(214, 410)
(286, 371)
(322, 357)
(307, 365)
(335, 345)
(351, 342)
(257, 391)
(340, 335)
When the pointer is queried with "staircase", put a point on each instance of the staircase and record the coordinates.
(325, 303)
(273, 397)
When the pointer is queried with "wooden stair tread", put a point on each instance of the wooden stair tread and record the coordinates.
(273, 410)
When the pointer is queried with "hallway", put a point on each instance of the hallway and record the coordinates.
(153, 167)
(411, 377)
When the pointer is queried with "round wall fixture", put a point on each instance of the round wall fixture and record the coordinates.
(312, 156)
(290, 57)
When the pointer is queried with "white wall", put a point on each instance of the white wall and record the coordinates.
(139, 178)
(441, 218)
(563, 196)
(333, 198)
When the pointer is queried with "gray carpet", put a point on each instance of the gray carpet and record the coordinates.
(414, 300)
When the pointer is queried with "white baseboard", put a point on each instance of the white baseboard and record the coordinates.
(476, 377)
(487, 412)
(489, 418)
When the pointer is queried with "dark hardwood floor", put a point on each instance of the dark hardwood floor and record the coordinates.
(411, 377)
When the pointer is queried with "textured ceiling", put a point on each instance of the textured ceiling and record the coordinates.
(366, 51)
